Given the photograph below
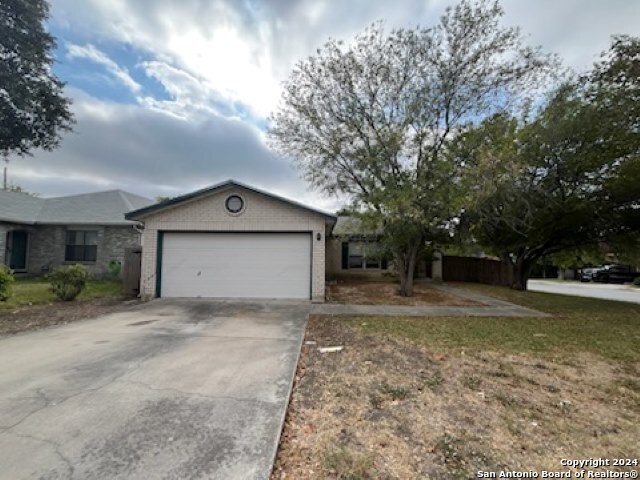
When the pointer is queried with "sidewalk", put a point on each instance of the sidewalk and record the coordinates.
(492, 307)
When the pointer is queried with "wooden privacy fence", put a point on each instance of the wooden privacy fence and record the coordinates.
(475, 270)
(131, 271)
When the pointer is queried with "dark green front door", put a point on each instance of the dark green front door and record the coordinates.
(18, 260)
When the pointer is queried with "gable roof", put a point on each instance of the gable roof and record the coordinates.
(220, 187)
(99, 208)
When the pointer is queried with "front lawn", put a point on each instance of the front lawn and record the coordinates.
(385, 292)
(35, 291)
(32, 306)
(446, 397)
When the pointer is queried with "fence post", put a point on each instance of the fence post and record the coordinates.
(132, 271)
(436, 267)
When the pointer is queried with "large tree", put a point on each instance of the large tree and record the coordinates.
(33, 108)
(371, 119)
(566, 179)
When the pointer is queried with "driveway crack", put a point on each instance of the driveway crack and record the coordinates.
(196, 394)
(56, 448)
(54, 403)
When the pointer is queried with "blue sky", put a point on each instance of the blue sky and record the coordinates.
(171, 95)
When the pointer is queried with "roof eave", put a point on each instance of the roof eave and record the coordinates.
(15, 220)
(141, 213)
(125, 223)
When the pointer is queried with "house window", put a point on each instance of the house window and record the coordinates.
(81, 246)
(356, 255)
(362, 255)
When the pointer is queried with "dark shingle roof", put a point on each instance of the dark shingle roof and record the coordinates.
(99, 208)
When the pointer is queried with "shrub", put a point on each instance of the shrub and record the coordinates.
(68, 282)
(6, 282)
(114, 267)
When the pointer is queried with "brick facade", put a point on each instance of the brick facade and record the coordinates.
(4, 229)
(334, 263)
(46, 246)
(260, 214)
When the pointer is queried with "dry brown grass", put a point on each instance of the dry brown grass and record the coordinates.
(22, 319)
(387, 407)
(385, 292)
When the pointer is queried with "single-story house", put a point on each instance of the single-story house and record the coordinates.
(233, 240)
(38, 234)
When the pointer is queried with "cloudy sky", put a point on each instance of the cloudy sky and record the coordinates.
(174, 95)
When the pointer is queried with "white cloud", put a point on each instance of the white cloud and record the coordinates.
(90, 52)
(242, 51)
(151, 153)
(239, 51)
(218, 58)
(190, 96)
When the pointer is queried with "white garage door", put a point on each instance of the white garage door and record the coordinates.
(249, 265)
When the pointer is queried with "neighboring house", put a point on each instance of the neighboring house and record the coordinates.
(38, 234)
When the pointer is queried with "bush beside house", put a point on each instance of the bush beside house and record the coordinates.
(6, 283)
(68, 282)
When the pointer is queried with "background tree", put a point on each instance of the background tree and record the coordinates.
(613, 88)
(12, 187)
(566, 180)
(33, 108)
(371, 119)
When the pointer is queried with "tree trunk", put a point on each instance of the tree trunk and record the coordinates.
(401, 265)
(407, 267)
(520, 270)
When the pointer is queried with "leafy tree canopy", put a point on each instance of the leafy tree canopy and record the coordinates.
(566, 179)
(12, 187)
(33, 108)
(371, 119)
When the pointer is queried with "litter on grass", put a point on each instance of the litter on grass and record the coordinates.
(330, 349)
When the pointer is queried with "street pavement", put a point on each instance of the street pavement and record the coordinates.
(606, 291)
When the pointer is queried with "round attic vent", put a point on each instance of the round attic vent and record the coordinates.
(234, 204)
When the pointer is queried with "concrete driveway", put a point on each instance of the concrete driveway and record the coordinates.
(606, 291)
(167, 390)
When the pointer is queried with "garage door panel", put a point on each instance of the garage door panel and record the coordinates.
(269, 265)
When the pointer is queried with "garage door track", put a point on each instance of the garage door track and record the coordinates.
(167, 390)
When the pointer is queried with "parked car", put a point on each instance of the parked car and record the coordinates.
(615, 274)
(587, 274)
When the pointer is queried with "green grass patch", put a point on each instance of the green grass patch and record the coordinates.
(555, 303)
(606, 328)
(348, 465)
(396, 392)
(35, 291)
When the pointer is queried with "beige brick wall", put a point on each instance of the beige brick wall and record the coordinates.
(208, 214)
